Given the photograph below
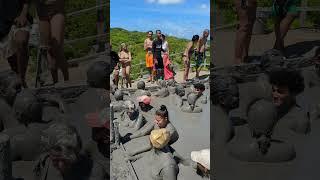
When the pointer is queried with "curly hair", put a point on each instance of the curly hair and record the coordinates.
(285, 77)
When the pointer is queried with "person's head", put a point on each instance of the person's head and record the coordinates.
(144, 101)
(202, 158)
(286, 84)
(11, 85)
(123, 47)
(225, 92)
(98, 74)
(195, 38)
(149, 34)
(141, 85)
(159, 138)
(163, 37)
(63, 144)
(206, 33)
(131, 108)
(162, 117)
(158, 32)
(27, 107)
(199, 88)
(171, 82)
(118, 95)
(262, 117)
(100, 126)
(180, 91)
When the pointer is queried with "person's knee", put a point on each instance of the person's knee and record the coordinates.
(21, 40)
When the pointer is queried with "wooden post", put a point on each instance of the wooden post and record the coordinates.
(5, 158)
(303, 14)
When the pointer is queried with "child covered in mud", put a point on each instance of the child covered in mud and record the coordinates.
(195, 98)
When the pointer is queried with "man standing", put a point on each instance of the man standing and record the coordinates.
(246, 11)
(157, 58)
(201, 48)
(149, 56)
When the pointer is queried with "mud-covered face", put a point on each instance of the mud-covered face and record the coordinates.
(60, 163)
(280, 95)
(161, 121)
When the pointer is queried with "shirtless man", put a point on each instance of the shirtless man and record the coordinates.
(200, 54)
(149, 56)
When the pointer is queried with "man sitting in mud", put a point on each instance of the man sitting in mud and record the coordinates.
(180, 92)
(194, 99)
(261, 146)
(118, 104)
(61, 158)
(286, 85)
(163, 92)
(171, 86)
(131, 117)
(224, 97)
(146, 109)
(141, 90)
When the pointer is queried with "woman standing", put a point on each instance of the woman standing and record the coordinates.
(125, 60)
(187, 55)
(168, 72)
(149, 56)
(51, 25)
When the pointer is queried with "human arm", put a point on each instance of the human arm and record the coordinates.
(145, 45)
(142, 132)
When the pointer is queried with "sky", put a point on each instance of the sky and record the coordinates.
(180, 18)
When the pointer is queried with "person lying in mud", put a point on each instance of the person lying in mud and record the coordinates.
(146, 109)
(286, 85)
(118, 104)
(131, 117)
(160, 161)
(61, 157)
(260, 146)
(141, 90)
(98, 147)
(163, 92)
(161, 121)
(224, 97)
(194, 98)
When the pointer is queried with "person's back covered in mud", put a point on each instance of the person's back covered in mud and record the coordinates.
(61, 158)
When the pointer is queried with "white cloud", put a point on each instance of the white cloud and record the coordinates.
(204, 6)
(165, 1)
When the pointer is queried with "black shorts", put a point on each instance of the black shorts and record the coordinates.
(160, 63)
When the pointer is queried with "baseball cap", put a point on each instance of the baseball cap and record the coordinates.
(145, 99)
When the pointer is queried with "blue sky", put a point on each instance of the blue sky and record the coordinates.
(180, 18)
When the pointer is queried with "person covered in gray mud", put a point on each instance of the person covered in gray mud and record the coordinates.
(286, 85)
(118, 104)
(163, 91)
(141, 90)
(161, 162)
(195, 99)
(224, 97)
(171, 86)
(61, 157)
(146, 109)
(161, 121)
(131, 117)
(180, 93)
(260, 146)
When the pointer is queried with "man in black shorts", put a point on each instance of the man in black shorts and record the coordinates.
(157, 58)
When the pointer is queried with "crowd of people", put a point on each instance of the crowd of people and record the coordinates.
(157, 58)
(284, 13)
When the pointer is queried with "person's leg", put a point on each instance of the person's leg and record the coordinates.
(277, 44)
(56, 54)
(186, 69)
(116, 77)
(128, 68)
(21, 40)
(252, 10)
(12, 60)
(123, 75)
(284, 27)
(44, 28)
(244, 29)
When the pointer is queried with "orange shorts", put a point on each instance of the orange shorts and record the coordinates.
(149, 60)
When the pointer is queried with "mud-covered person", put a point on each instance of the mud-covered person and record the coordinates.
(115, 66)
(200, 51)
(286, 85)
(146, 109)
(15, 25)
(195, 99)
(246, 11)
(61, 158)
(157, 57)
(51, 15)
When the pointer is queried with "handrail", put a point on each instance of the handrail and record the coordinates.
(85, 10)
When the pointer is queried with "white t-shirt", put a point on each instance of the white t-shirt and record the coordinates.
(165, 46)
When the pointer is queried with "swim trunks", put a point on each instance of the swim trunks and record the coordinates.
(289, 7)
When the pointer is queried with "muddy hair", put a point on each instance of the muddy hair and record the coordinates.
(163, 112)
(287, 78)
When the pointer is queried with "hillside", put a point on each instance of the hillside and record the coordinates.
(135, 40)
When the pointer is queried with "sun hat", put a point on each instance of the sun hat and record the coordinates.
(202, 157)
(159, 138)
